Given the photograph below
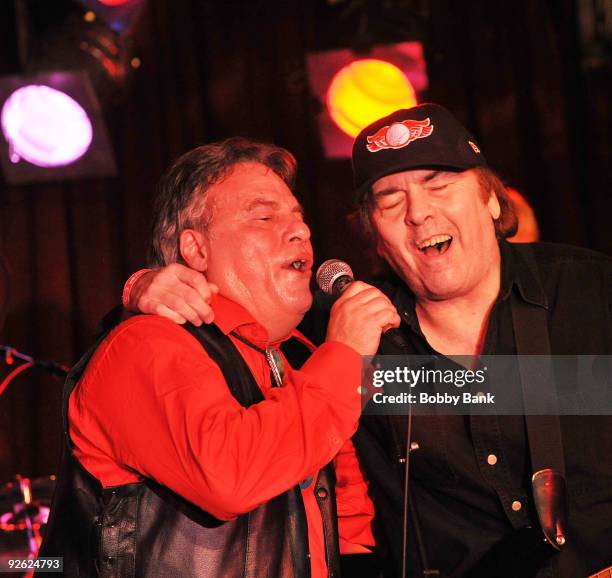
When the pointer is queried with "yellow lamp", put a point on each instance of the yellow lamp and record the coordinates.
(366, 90)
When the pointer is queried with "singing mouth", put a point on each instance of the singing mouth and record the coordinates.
(437, 244)
(300, 265)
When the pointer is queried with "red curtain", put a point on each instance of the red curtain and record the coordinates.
(512, 71)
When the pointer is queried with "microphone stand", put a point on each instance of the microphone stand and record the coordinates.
(22, 508)
(10, 354)
(333, 277)
(407, 500)
(410, 514)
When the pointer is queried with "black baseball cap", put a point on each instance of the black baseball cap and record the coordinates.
(425, 136)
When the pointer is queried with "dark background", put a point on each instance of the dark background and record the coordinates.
(530, 81)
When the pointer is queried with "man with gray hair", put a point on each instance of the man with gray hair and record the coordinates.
(201, 452)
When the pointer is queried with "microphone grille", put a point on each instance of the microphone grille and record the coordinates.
(329, 272)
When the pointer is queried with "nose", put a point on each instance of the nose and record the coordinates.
(297, 230)
(419, 207)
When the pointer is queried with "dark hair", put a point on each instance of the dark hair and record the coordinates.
(506, 224)
(180, 201)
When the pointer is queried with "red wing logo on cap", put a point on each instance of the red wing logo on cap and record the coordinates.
(399, 134)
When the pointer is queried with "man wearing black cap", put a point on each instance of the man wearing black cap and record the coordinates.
(439, 216)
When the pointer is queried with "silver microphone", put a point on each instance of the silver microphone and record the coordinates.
(334, 276)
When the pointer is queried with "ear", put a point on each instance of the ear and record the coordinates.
(193, 247)
(493, 206)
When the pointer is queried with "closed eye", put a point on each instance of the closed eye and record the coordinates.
(387, 206)
(389, 201)
(440, 181)
(263, 214)
(437, 187)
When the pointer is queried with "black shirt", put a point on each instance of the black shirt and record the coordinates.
(470, 478)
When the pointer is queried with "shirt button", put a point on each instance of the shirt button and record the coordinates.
(322, 493)
(516, 505)
(491, 459)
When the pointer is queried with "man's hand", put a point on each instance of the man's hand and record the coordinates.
(360, 316)
(177, 292)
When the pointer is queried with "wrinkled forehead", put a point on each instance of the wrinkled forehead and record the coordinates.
(249, 187)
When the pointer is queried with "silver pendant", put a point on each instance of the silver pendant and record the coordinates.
(277, 366)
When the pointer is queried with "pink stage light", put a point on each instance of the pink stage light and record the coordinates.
(45, 126)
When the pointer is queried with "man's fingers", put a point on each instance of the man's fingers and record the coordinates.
(393, 323)
(179, 271)
(175, 292)
(389, 320)
(383, 314)
(186, 296)
(363, 295)
(195, 280)
(354, 289)
(194, 313)
(163, 311)
(359, 316)
(181, 290)
(205, 289)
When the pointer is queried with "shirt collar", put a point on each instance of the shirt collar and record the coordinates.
(515, 272)
(231, 316)
(518, 272)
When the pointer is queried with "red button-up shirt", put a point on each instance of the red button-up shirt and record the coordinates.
(151, 400)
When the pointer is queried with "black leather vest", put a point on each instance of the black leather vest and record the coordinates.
(145, 530)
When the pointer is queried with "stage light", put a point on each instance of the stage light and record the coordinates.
(365, 91)
(45, 127)
(356, 89)
(83, 41)
(120, 15)
(52, 129)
